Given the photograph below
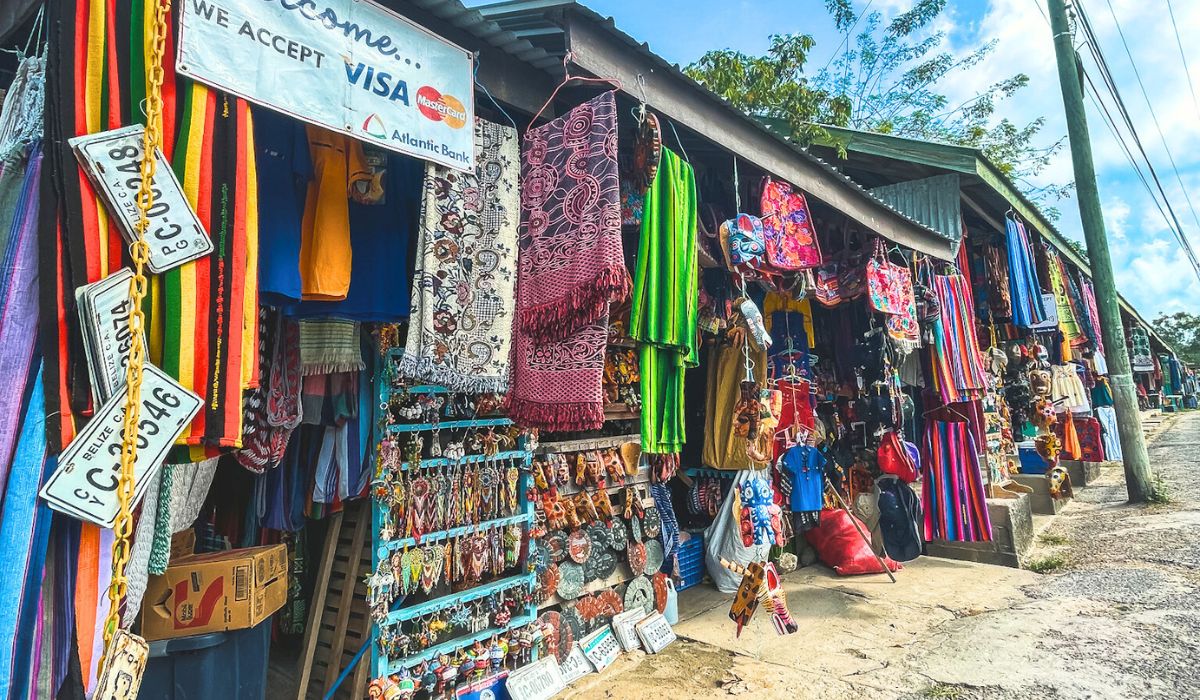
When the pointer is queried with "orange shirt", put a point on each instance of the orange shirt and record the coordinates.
(338, 163)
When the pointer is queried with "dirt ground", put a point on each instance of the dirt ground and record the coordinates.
(1116, 614)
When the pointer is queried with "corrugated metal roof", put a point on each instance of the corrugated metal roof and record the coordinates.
(934, 201)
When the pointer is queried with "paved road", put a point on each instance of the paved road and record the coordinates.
(1119, 619)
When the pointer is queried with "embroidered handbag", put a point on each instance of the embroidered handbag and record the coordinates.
(889, 286)
(791, 240)
(826, 288)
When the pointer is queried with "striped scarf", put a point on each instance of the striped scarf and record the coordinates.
(951, 485)
(957, 368)
(1023, 282)
(665, 303)
(202, 316)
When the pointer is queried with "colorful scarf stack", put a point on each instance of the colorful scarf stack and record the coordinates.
(1023, 282)
(460, 333)
(957, 368)
(1093, 312)
(951, 485)
(666, 302)
(202, 315)
(1071, 329)
(571, 267)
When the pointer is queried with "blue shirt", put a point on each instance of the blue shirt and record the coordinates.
(284, 169)
(807, 467)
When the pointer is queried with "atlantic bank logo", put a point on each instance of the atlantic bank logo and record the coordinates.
(441, 108)
(373, 126)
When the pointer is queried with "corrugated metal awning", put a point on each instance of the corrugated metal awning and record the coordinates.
(933, 201)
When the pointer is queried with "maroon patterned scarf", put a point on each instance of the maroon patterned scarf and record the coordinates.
(571, 266)
(571, 262)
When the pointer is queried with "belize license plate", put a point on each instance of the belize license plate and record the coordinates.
(85, 483)
(104, 308)
(112, 161)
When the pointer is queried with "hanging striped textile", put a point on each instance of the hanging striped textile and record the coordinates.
(1023, 282)
(1066, 313)
(18, 304)
(202, 316)
(957, 368)
(1093, 312)
(666, 303)
(952, 486)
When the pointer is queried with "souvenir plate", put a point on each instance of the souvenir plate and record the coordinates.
(573, 621)
(652, 523)
(111, 160)
(556, 544)
(636, 555)
(548, 581)
(598, 533)
(579, 546)
(654, 556)
(635, 529)
(639, 593)
(602, 564)
(559, 640)
(618, 534)
(570, 580)
(85, 484)
(659, 581)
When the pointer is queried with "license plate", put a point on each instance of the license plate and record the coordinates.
(112, 161)
(85, 483)
(540, 680)
(104, 308)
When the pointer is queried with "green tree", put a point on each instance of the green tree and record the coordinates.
(885, 79)
(1181, 330)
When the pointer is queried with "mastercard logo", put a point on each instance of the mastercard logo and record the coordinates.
(441, 108)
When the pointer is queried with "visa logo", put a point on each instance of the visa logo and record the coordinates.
(378, 82)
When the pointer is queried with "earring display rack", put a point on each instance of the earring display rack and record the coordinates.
(383, 664)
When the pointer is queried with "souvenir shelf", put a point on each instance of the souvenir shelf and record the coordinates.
(639, 482)
(383, 664)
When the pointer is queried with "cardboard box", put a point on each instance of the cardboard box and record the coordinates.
(183, 544)
(215, 592)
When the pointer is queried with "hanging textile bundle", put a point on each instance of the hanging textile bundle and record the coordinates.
(666, 303)
(957, 368)
(1093, 313)
(572, 264)
(951, 487)
(1066, 311)
(1023, 282)
(460, 335)
(570, 268)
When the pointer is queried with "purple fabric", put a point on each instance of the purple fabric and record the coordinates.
(18, 311)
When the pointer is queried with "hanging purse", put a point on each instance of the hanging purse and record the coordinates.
(895, 459)
(791, 240)
(889, 286)
(826, 288)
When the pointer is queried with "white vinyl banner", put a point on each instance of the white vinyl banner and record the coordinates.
(347, 65)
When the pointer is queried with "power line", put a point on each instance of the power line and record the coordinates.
(1183, 57)
(1153, 115)
(1110, 85)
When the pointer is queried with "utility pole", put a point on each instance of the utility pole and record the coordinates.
(1138, 479)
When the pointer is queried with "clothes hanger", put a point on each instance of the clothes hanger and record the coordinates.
(481, 86)
(567, 77)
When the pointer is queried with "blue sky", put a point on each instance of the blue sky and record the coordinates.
(1151, 270)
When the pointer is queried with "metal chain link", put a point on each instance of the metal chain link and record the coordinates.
(140, 252)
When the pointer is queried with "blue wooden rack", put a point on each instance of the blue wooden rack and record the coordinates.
(383, 664)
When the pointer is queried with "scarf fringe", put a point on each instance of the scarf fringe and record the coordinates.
(555, 417)
(425, 369)
(333, 367)
(584, 304)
